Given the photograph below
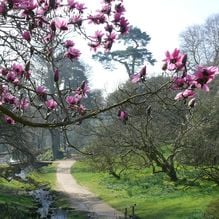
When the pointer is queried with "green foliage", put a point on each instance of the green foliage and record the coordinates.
(154, 195)
(201, 143)
(14, 202)
(143, 136)
(133, 54)
(44, 176)
(45, 155)
(213, 210)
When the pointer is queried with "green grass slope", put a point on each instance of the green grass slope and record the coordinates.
(155, 197)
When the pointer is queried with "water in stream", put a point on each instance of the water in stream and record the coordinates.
(45, 200)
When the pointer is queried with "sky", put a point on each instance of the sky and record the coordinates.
(163, 20)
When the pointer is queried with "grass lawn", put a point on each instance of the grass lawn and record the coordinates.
(44, 176)
(154, 196)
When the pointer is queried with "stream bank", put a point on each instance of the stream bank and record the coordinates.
(30, 194)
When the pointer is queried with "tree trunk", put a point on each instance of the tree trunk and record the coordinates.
(172, 174)
(55, 137)
(161, 161)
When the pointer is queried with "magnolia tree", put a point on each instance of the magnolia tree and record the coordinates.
(40, 29)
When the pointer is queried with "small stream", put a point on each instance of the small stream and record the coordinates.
(45, 204)
(45, 200)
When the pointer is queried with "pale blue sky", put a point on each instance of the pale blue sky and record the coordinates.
(163, 20)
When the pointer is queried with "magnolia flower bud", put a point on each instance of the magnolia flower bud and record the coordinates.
(56, 75)
(53, 26)
(123, 116)
(164, 67)
(3, 8)
(26, 35)
(184, 59)
(9, 120)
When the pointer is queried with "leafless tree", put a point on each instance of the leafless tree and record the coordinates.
(201, 42)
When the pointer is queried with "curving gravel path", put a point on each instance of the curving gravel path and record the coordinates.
(81, 199)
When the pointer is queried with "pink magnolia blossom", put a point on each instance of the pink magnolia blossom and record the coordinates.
(72, 100)
(11, 76)
(139, 76)
(117, 17)
(26, 35)
(72, 53)
(51, 104)
(72, 4)
(83, 89)
(18, 69)
(27, 5)
(61, 23)
(97, 19)
(98, 36)
(3, 93)
(175, 60)
(109, 40)
(98, 39)
(9, 120)
(41, 90)
(188, 93)
(94, 46)
(178, 83)
(81, 109)
(123, 116)
(119, 8)
(106, 9)
(109, 28)
(183, 82)
(80, 7)
(9, 98)
(124, 25)
(69, 43)
(22, 104)
(49, 37)
(3, 71)
(77, 20)
(16, 81)
(3, 89)
(42, 11)
(108, 1)
(41, 22)
(204, 75)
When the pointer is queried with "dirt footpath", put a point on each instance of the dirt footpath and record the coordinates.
(82, 199)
